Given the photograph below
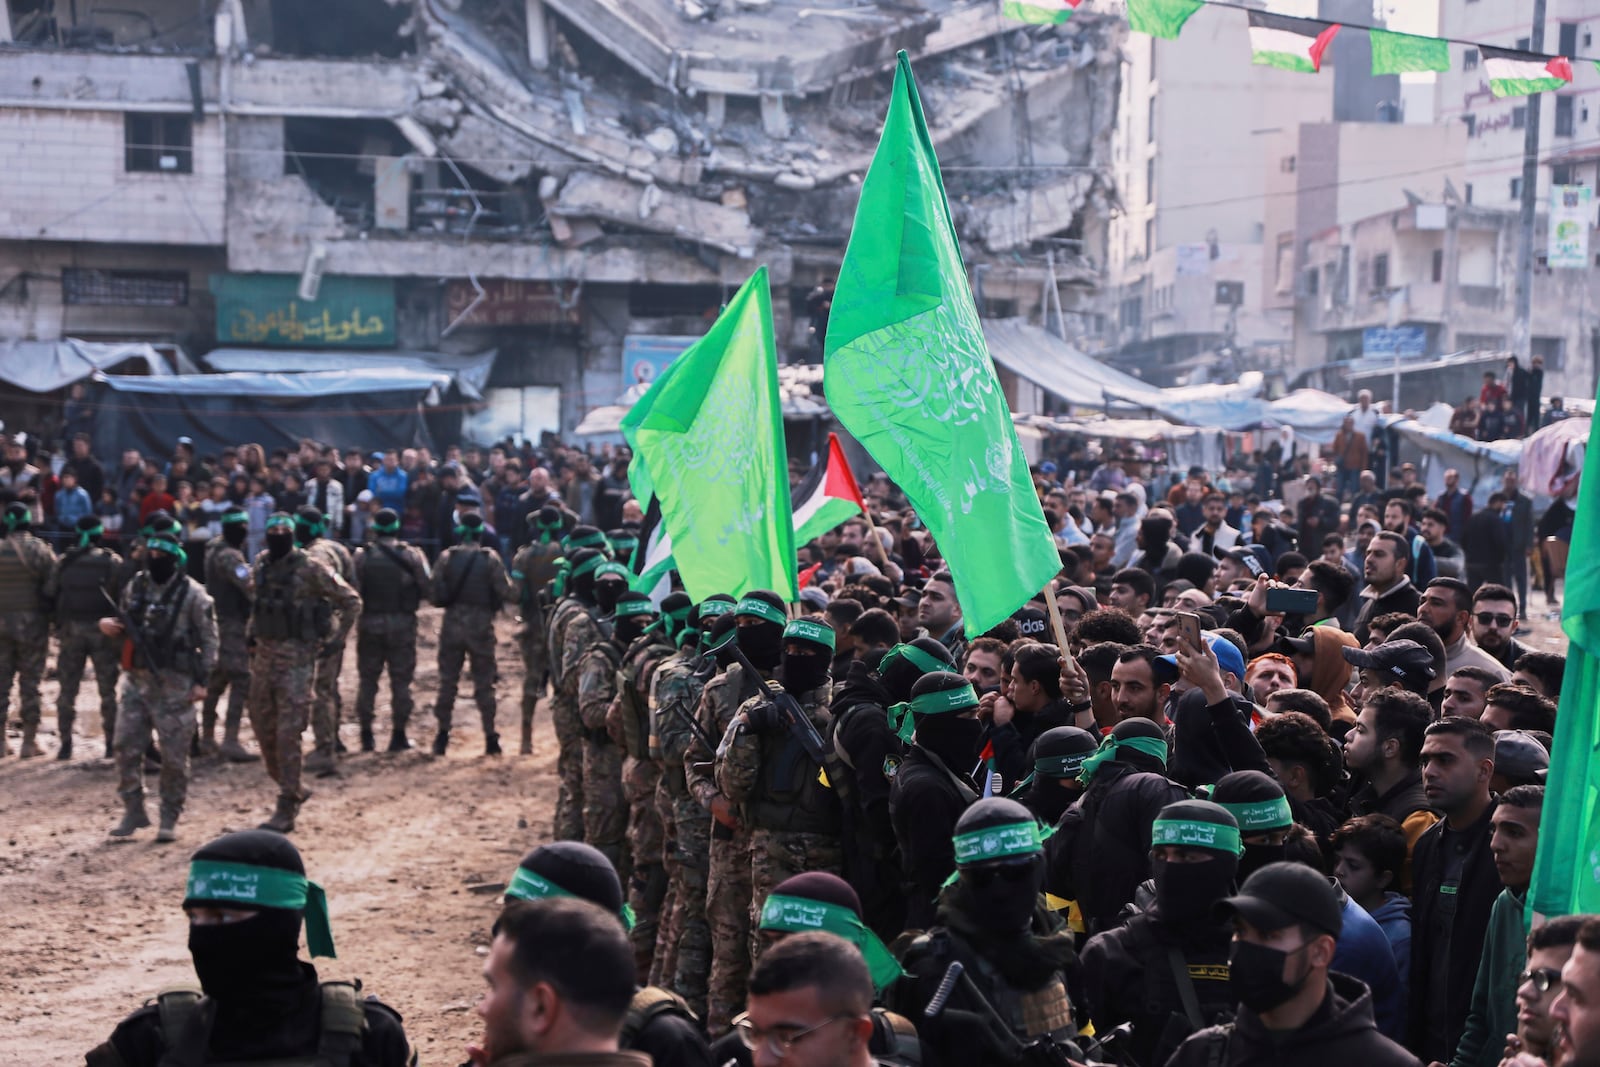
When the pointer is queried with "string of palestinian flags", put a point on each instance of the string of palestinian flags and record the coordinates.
(1299, 44)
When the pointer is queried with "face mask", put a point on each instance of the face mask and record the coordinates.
(161, 566)
(953, 739)
(583, 588)
(1004, 895)
(1049, 801)
(1185, 892)
(235, 533)
(1255, 976)
(278, 544)
(236, 959)
(762, 643)
(1257, 856)
(629, 630)
(606, 594)
(802, 674)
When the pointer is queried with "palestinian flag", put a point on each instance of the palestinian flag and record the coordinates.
(652, 560)
(1161, 18)
(1513, 73)
(828, 496)
(1289, 43)
(1040, 12)
(1405, 53)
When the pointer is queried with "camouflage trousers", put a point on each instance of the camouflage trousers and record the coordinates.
(535, 673)
(646, 839)
(230, 675)
(155, 700)
(684, 949)
(569, 767)
(778, 855)
(24, 645)
(386, 641)
(325, 702)
(456, 642)
(728, 916)
(605, 808)
(280, 706)
(82, 642)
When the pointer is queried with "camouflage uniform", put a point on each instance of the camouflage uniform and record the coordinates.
(284, 622)
(82, 585)
(564, 716)
(605, 811)
(795, 821)
(683, 949)
(26, 563)
(628, 723)
(471, 594)
(728, 876)
(176, 649)
(532, 570)
(391, 589)
(228, 583)
(325, 705)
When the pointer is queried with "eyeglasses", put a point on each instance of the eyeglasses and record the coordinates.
(1544, 978)
(778, 1043)
(1489, 618)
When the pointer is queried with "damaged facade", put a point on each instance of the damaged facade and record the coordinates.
(555, 179)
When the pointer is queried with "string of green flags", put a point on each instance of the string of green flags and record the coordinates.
(1298, 44)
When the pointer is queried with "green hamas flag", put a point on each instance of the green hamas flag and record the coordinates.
(1566, 868)
(1161, 18)
(906, 371)
(709, 438)
(1405, 53)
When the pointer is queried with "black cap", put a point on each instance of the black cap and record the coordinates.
(580, 869)
(1519, 756)
(1282, 894)
(1030, 622)
(1406, 660)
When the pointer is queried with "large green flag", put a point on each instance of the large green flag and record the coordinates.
(1566, 869)
(907, 372)
(709, 438)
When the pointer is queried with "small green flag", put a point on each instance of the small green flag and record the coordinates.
(1039, 12)
(1161, 18)
(1406, 53)
(907, 373)
(709, 436)
(1566, 867)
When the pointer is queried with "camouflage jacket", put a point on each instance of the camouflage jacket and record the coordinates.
(410, 556)
(639, 665)
(561, 617)
(674, 699)
(314, 581)
(186, 643)
(584, 630)
(501, 590)
(34, 564)
(745, 751)
(532, 570)
(334, 556)
(719, 703)
(596, 671)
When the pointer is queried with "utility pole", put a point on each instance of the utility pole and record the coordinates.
(1522, 327)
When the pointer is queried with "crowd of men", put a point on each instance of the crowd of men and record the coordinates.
(1275, 800)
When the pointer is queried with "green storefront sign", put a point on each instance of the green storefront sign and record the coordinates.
(265, 309)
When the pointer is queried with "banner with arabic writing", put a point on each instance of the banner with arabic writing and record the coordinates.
(265, 309)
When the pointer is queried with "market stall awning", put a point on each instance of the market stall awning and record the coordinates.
(45, 366)
(470, 374)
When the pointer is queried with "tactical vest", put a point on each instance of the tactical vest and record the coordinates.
(388, 585)
(156, 618)
(186, 1020)
(1164, 1019)
(230, 601)
(19, 584)
(82, 580)
(635, 703)
(648, 1005)
(466, 579)
(793, 797)
(278, 615)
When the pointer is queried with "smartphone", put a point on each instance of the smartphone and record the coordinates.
(1189, 628)
(1291, 601)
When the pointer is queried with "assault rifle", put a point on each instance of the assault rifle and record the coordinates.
(1040, 1052)
(130, 634)
(790, 713)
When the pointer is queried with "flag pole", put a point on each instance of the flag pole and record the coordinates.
(1056, 624)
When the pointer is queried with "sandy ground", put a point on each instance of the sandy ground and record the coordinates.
(412, 851)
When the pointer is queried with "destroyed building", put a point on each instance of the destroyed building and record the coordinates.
(566, 181)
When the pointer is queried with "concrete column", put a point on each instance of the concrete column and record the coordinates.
(716, 110)
(538, 35)
(773, 117)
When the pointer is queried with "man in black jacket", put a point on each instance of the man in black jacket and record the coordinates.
(1385, 745)
(1454, 883)
(1292, 1008)
(1389, 589)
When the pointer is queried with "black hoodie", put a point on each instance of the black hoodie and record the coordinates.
(872, 858)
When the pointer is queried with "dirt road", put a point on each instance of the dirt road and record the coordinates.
(410, 849)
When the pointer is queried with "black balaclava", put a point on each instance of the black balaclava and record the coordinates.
(17, 516)
(634, 615)
(1002, 893)
(579, 869)
(806, 660)
(162, 565)
(1186, 892)
(307, 524)
(582, 584)
(280, 535)
(1059, 749)
(953, 736)
(900, 672)
(762, 642)
(608, 589)
(235, 527)
(587, 537)
(721, 627)
(260, 955)
(1257, 790)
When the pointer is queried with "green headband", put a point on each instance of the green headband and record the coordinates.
(923, 661)
(806, 630)
(1068, 766)
(1191, 833)
(998, 843)
(526, 885)
(231, 518)
(84, 536)
(163, 544)
(710, 609)
(588, 566)
(386, 527)
(594, 540)
(609, 567)
(318, 528)
(760, 609)
(799, 915)
(1110, 746)
(1253, 815)
(463, 530)
(11, 520)
(634, 604)
(246, 885)
(939, 703)
(279, 519)
(625, 545)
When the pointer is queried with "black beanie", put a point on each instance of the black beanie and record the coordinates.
(938, 682)
(723, 624)
(549, 516)
(1128, 729)
(1243, 787)
(1200, 811)
(580, 869)
(992, 811)
(1064, 741)
(901, 675)
(819, 885)
(767, 596)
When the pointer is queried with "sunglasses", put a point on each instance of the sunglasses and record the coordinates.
(1544, 979)
(1489, 618)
